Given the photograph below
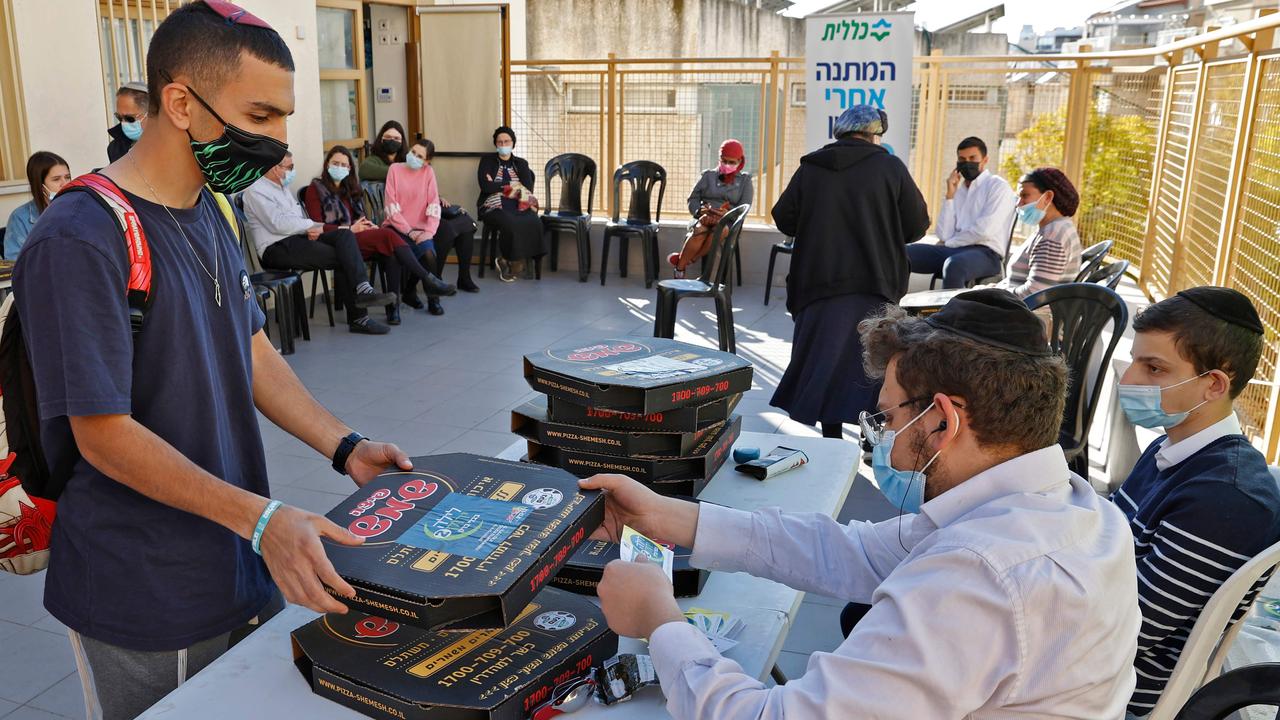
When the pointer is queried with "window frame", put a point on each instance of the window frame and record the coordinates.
(13, 122)
(356, 74)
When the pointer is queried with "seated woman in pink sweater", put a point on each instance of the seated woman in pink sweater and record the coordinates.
(432, 227)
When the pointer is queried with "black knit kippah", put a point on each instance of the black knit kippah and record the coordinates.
(993, 317)
(1225, 304)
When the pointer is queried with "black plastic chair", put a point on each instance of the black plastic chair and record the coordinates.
(1080, 312)
(375, 200)
(786, 247)
(1109, 274)
(572, 169)
(285, 286)
(716, 283)
(1233, 691)
(643, 175)
(1091, 258)
(989, 279)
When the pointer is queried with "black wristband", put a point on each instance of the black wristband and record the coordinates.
(344, 451)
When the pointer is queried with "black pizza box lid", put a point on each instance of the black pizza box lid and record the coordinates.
(530, 421)
(686, 419)
(644, 375)
(461, 541)
(701, 464)
(385, 668)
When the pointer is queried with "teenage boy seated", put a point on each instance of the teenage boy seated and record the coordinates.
(1200, 501)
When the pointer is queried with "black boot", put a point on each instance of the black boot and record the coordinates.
(393, 314)
(410, 295)
(434, 307)
(436, 287)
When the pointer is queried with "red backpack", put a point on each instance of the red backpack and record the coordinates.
(28, 493)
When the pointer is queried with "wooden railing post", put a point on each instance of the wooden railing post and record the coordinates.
(779, 103)
(1076, 134)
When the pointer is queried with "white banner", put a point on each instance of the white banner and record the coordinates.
(859, 59)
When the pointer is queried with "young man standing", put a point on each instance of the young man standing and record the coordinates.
(1200, 500)
(1006, 590)
(166, 540)
(973, 224)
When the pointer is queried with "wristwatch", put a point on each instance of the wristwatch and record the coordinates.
(344, 451)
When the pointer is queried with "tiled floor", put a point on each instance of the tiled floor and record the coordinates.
(446, 384)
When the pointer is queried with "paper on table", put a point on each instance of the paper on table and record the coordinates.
(636, 545)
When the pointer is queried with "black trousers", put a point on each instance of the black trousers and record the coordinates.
(521, 235)
(335, 250)
(458, 235)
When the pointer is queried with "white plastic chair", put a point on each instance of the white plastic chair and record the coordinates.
(1210, 640)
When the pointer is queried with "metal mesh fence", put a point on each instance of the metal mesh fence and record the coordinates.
(1163, 234)
(556, 112)
(1254, 266)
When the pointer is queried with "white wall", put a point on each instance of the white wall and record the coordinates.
(389, 66)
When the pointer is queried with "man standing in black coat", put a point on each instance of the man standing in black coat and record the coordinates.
(852, 208)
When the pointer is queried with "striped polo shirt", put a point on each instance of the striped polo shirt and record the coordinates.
(1051, 257)
(1199, 509)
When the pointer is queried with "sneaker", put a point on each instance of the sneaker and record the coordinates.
(372, 298)
(367, 326)
(504, 270)
(434, 307)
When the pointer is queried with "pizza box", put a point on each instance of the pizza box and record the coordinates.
(386, 669)
(644, 375)
(698, 467)
(686, 419)
(530, 421)
(461, 541)
(586, 566)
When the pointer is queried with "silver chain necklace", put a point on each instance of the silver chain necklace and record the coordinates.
(217, 286)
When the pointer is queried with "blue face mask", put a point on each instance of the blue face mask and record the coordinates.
(414, 162)
(338, 173)
(505, 152)
(289, 175)
(1141, 404)
(903, 488)
(131, 130)
(1030, 214)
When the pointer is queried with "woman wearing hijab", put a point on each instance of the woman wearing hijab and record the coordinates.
(336, 200)
(507, 203)
(388, 150)
(852, 208)
(719, 189)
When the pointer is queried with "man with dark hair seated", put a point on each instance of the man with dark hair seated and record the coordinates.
(1006, 589)
(973, 224)
(1200, 500)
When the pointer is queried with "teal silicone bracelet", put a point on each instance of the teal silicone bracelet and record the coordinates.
(263, 519)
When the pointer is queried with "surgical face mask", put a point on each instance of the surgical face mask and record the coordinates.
(1142, 405)
(504, 152)
(289, 175)
(391, 146)
(235, 159)
(728, 168)
(903, 488)
(51, 194)
(1031, 213)
(414, 162)
(132, 130)
(338, 173)
(968, 170)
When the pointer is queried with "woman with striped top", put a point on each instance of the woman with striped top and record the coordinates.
(1046, 199)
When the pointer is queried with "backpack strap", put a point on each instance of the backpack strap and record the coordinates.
(227, 212)
(113, 200)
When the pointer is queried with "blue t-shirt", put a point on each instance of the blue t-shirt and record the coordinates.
(125, 569)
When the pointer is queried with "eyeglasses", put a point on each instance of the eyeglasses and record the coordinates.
(872, 424)
(129, 118)
(569, 696)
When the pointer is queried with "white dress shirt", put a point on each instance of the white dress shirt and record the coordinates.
(981, 213)
(1011, 595)
(1171, 454)
(272, 213)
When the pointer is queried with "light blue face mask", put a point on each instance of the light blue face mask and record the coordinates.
(505, 152)
(1141, 404)
(338, 173)
(414, 162)
(903, 488)
(289, 175)
(1030, 214)
(131, 130)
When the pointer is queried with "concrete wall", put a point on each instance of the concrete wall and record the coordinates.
(292, 18)
(658, 28)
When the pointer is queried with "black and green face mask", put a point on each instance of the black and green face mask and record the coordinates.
(236, 159)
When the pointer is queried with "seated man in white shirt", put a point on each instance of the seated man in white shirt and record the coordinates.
(1005, 590)
(973, 225)
(286, 239)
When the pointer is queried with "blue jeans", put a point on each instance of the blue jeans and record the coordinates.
(959, 267)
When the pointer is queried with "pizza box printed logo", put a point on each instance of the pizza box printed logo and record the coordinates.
(600, 351)
(543, 498)
(555, 620)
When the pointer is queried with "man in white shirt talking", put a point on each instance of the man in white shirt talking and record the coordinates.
(973, 225)
(1005, 590)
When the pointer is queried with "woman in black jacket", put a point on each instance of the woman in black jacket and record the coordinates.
(852, 208)
(506, 201)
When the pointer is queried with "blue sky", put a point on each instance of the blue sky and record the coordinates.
(1044, 16)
